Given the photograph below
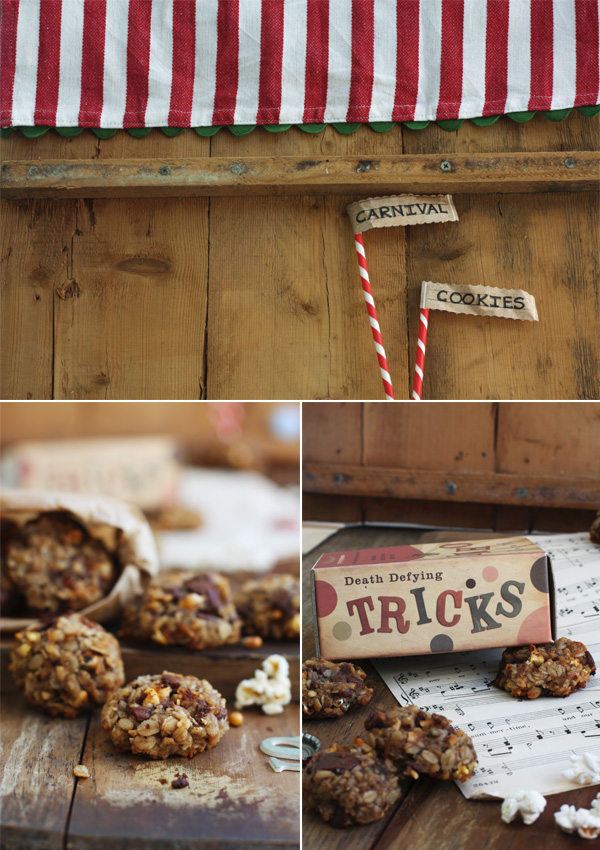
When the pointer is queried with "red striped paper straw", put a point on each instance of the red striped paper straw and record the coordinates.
(375, 329)
(420, 361)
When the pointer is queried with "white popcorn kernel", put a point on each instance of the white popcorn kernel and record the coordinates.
(270, 687)
(584, 770)
(584, 821)
(249, 692)
(595, 807)
(529, 804)
(272, 708)
(276, 667)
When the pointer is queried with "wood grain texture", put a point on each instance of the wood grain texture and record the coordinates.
(38, 757)
(332, 431)
(431, 814)
(535, 245)
(234, 799)
(36, 244)
(299, 252)
(535, 437)
(452, 437)
(491, 488)
(288, 175)
(268, 318)
(130, 321)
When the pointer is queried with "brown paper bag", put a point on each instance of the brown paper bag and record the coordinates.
(121, 527)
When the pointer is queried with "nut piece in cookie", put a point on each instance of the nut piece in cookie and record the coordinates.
(66, 665)
(548, 669)
(270, 607)
(422, 743)
(330, 689)
(166, 715)
(347, 785)
(184, 609)
(57, 565)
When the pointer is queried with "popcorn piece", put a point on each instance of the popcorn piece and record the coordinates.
(595, 807)
(529, 804)
(270, 688)
(584, 821)
(584, 770)
(276, 667)
(81, 771)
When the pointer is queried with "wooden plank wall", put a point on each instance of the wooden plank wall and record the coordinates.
(530, 441)
(229, 298)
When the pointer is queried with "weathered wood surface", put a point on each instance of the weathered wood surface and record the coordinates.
(289, 175)
(38, 757)
(507, 446)
(431, 814)
(493, 488)
(234, 799)
(275, 308)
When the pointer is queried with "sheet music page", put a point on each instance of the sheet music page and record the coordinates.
(520, 743)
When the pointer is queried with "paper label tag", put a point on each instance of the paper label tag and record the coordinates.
(479, 300)
(401, 210)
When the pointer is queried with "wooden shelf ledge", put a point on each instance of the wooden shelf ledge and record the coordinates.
(485, 488)
(290, 175)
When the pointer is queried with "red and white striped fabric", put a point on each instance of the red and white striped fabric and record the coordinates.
(181, 63)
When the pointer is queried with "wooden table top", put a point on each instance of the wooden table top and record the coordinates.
(234, 799)
(432, 815)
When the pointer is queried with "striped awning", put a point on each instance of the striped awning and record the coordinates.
(203, 63)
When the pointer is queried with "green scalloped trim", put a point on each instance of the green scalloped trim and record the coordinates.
(344, 129)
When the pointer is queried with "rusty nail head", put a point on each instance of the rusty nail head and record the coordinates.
(445, 165)
(570, 162)
(164, 170)
(34, 170)
(451, 488)
(238, 168)
(522, 492)
(338, 478)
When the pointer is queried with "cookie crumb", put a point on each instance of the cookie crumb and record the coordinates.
(81, 771)
(181, 781)
(162, 780)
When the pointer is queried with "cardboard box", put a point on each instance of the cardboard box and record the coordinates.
(434, 597)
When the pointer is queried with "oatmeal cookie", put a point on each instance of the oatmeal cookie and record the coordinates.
(66, 665)
(166, 715)
(422, 743)
(57, 565)
(270, 607)
(184, 609)
(548, 669)
(349, 785)
(330, 689)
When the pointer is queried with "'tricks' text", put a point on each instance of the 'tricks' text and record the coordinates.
(390, 613)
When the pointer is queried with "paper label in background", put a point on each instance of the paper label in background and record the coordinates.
(141, 470)
(519, 743)
(478, 300)
(401, 210)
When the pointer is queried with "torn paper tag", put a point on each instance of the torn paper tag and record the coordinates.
(396, 210)
(478, 300)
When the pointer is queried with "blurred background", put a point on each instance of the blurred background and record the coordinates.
(219, 481)
(486, 466)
